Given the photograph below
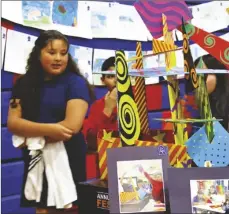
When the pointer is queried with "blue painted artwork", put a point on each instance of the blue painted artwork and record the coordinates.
(133, 54)
(97, 64)
(65, 12)
(98, 21)
(201, 150)
(36, 12)
(72, 51)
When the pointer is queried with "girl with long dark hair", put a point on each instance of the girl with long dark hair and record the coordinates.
(51, 101)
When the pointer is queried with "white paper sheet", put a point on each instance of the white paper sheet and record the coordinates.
(100, 55)
(211, 16)
(130, 25)
(3, 43)
(11, 10)
(18, 48)
(225, 36)
(83, 58)
(103, 19)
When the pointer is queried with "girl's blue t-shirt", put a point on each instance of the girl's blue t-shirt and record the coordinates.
(57, 92)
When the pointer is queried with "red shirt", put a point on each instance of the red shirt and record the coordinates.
(97, 120)
(157, 188)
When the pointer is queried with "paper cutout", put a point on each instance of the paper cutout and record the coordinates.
(161, 71)
(129, 121)
(65, 13)
(107, 135)
(202, 100)
(215, 46)
(151, 12)
(188, 120)
(140, 93)
(159, 137)
(200, 149)
(192, 80)
(103, 145)
(161, 46)
(186, 164)
(180, 130)
(175, 152)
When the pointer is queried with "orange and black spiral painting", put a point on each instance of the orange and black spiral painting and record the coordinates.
(191, 77)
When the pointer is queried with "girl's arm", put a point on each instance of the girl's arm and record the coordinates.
(75, 113)
(25, 128)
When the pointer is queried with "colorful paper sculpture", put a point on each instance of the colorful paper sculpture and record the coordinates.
(175, 151)
(201, 150)
(140, 93)
(129, 121)
(216, 46)
(150, 12)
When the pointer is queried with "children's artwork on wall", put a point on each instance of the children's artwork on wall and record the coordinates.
(82, 23)
(15, 14)
(83, 58)
(198, 190)
(210, 16)
(130, 25)
(99, 56)
(3, 42)
(209, 195)
(36, 13)
(71, 18)
(137, 180)
(151, 13)
(18, 47)
(103, 19)
(65, 13)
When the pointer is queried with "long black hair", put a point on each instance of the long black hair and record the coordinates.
(220, 96)
(27, 87)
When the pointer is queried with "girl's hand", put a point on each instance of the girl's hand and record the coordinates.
(57, 132)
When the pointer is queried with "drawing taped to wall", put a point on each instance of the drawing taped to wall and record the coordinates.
(65, 13)
(36, 13)
(83, 58)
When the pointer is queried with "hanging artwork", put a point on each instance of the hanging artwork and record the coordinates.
(36, 13)
(65, 13)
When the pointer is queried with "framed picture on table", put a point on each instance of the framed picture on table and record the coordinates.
(138, 179)
(199, 190)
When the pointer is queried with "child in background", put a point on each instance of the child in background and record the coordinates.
(103, 112)
(218, 89)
